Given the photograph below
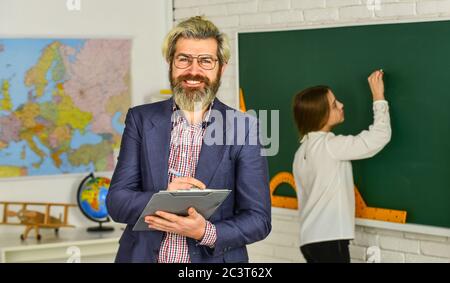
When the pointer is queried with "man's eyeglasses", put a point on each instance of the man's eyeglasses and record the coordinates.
(206, 62)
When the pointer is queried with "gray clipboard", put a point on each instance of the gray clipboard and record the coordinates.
(178, 202)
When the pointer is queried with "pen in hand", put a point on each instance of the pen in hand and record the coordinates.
(177, 174)
(184, 183)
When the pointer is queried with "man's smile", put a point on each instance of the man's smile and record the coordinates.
(192, 83)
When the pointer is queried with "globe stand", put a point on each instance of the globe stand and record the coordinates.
(100, 228)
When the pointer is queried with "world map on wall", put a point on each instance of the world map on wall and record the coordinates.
(63, 104)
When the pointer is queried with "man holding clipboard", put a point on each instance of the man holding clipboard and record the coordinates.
(167, 145)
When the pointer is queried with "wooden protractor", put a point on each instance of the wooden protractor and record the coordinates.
(283, 201)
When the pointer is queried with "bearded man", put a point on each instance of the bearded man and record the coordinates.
(164, 148)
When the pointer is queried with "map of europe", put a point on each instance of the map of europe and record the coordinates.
(63, 104)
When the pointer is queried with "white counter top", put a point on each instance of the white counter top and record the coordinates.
(70, 245)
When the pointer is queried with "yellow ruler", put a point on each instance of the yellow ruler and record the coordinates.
(361, 208)
(375, 213)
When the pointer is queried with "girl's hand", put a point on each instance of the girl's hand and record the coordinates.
(377, 85)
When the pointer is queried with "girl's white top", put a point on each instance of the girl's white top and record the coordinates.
(324, 178)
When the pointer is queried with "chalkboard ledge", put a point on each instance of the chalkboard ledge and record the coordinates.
(407, 227)
(292, 215)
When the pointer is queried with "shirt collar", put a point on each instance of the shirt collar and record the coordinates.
(305, 137)
(180, 118)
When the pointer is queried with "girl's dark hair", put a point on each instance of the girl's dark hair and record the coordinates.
(311, 109)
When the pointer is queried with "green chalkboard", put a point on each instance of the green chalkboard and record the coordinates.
(412, 173)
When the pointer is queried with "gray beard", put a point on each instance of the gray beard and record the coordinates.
(193, 100)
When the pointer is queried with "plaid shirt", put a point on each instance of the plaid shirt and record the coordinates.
(185, 145)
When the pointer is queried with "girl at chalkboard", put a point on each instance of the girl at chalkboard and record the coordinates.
(323, 171)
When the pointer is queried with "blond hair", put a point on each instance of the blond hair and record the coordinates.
(197, 28)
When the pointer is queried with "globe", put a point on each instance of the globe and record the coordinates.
(91, 200)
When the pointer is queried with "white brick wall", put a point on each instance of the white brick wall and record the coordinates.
(287, 17)
(399, 244)
(282, 245)
(235, 15)
(243, 7)
(355, 13)
(396, 10)
(308, 4)
(433, 7)
(395, 246)
(274, 5)
(392, 257)
(322, 15)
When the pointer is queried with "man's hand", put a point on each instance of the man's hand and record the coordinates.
(185, 183)
(377, 85)
(191, 226)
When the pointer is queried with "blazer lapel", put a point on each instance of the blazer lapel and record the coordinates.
(211, 155)
(157, 138)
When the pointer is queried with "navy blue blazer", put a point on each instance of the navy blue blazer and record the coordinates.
(142, 170)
